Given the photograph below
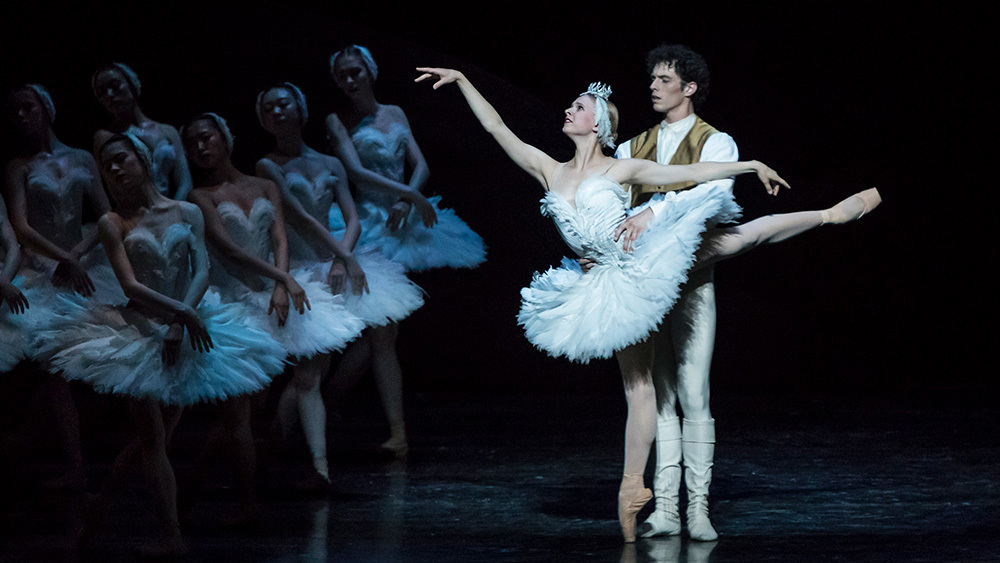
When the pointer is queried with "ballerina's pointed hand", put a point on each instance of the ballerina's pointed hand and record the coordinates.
(772, 182)
(443, 75)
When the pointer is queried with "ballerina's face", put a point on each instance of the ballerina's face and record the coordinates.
(27, 113)
(204, 145)
(579, 117)
(351, 75)
(279, 110)
(113, 91)
(122, 168)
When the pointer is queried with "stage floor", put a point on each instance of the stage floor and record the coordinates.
(522, 477)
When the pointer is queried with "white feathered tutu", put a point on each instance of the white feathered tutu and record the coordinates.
(450, 243)
(118, 349)
(391, 295)
(624, 297)
(44, 302)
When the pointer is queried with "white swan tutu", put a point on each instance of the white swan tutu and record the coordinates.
(391, 296)
(44, 302)
(624, 297)
(118, 349)
(450, 243)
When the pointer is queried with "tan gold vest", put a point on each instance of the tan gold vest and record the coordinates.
(643, 145)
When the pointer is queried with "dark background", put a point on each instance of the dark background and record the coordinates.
(837, 97)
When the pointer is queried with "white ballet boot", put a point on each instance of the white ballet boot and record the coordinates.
(698, 445)
(665, 519)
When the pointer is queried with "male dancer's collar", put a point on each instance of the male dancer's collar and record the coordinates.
(681, 126)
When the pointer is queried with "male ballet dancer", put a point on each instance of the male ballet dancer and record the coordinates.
(683, 345)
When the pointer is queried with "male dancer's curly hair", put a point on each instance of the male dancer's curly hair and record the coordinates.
(689, 66)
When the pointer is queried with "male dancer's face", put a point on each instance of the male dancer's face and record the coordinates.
(670, 95)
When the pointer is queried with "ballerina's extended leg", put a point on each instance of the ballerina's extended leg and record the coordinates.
(729, 242)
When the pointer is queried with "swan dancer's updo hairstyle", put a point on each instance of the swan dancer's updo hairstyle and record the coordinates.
(606, 130)
(360, 51)
(300, 101)
(131, 78)
(219, 122)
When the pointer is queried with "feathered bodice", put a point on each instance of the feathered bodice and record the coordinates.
(589, 227)
(161, 264)
(251, 231)
(55, 203)
(315, 197)
(381, 152)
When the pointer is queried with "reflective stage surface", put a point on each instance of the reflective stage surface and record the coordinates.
(523, 477)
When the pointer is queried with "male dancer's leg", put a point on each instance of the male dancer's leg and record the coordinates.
(683, 358)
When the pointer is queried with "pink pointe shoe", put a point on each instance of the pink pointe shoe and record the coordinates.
(852, 208)
(632, 496)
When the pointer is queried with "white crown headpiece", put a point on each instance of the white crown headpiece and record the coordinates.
(601, 92)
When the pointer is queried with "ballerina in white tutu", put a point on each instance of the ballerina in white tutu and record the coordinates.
(376, 145)
(157, 249)
(117, 87)
(613, 307)
(245, 226)
(314, 188)
(49, 188)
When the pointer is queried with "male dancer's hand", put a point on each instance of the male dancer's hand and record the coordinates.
(631, 228)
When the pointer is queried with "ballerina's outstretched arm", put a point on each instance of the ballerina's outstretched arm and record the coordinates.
(531, 159)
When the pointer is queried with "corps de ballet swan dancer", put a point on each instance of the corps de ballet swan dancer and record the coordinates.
(377, 291)
(376, 145)
(613, 307)
(157, 249)
(13, 301)
(49, 188)
(245, 226)
(116, 86)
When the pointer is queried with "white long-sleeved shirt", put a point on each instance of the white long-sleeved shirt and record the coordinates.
(719, 147)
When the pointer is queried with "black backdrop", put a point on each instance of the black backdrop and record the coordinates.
(837, 97)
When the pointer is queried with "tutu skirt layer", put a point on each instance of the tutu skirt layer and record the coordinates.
(623, 298)
(118, 349)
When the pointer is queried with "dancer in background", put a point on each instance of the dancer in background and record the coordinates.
(613, 308)
(376, 145)
(245, 228)
(157, 249)
(314, 186)
(116, 86)
(49, 188)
